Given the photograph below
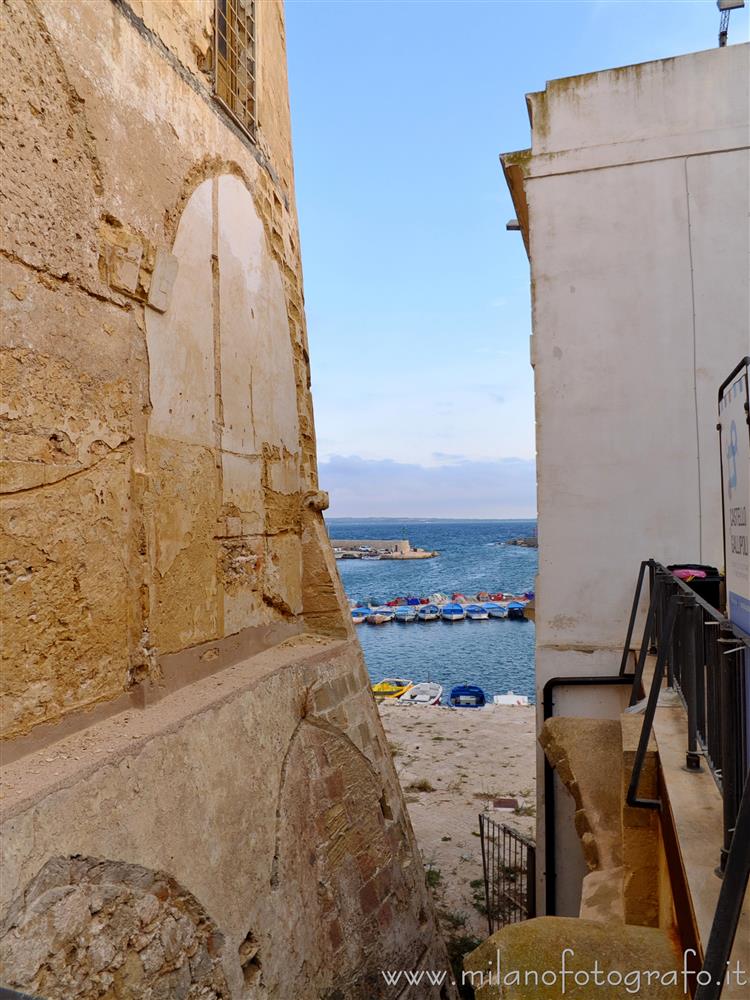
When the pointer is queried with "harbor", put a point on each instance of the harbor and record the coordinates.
(475, 567)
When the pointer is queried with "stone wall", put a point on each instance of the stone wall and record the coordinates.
(198, 799)
(266, 793)
(159, 485)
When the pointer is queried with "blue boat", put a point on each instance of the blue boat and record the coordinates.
(428, 612)
(359, 615)
(406, 614)
(516, 612)
(477, 612)
(495, 610)
(467, 696)
(452, 613)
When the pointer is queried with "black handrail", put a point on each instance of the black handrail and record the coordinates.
(687, 634)
(712, 682)
(704, 656)
(729, 906)
(648, 722)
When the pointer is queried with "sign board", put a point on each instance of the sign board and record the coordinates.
(734, 436)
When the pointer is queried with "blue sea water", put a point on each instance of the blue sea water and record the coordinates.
(496, 654)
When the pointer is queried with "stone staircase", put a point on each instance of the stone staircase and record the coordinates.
(626, 925)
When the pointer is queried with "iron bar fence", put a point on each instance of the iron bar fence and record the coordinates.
(509, 864)
(706, 660)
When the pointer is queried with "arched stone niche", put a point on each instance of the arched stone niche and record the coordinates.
(87, 928)
(223, 436)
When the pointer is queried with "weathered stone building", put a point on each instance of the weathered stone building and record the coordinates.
(198, 796)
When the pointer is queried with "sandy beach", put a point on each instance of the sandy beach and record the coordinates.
(452, 765)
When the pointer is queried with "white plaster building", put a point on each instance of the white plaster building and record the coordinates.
(633, 204)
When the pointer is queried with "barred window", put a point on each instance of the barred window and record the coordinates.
(234, 40)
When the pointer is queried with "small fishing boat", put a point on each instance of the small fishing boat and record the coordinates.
(516, 612)
(511, 698)
(406, 614)
(391, 687)
(476, 613)
(452, 613)
(495, 610)
(467, 696)
(428, 613)
(425, 693)
(359, 615)
(381, 616)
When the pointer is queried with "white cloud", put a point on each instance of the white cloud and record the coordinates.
(460, 487)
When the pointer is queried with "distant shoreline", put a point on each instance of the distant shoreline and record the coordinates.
(423, 520)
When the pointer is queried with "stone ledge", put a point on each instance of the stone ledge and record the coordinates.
(71, 759)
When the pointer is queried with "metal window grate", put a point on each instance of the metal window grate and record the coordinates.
(235, 63)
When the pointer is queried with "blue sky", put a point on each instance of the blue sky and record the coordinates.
(417, 298)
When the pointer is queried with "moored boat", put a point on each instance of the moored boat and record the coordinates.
(439, 599)
(359, 615)
(428, 613)
(425, 693)
(516, 612)
(467, 696)
(452, 613)
(511, 698)
(406, 614)
(476, 613)
(495, 610)
(391, 687)
(381, 616)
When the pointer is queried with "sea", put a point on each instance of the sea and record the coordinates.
(497, 655)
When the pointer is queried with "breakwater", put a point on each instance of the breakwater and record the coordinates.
(379, 548)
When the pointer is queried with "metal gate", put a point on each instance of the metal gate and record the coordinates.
(509, 862)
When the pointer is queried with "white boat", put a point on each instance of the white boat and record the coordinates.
(425, 693)
(511, 698)
(407, 613)
(380, 617)
(477, 613)
(428, 612)
(359, 615)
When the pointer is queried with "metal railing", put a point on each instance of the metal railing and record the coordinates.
(509, 864)
(706, 660)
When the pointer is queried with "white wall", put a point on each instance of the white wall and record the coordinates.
(637, 192)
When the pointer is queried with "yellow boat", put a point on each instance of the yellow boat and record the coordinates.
(391, 687)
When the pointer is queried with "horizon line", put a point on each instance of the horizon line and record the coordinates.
(417, 517)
